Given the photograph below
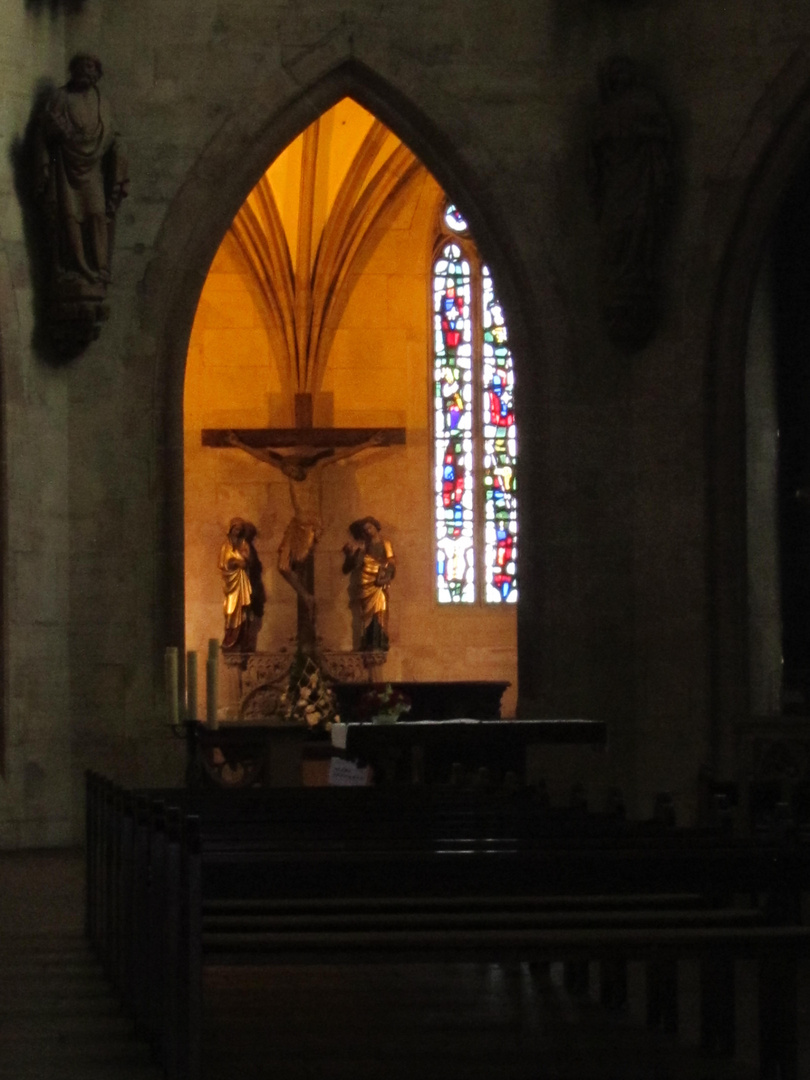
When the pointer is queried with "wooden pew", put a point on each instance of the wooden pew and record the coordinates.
(118, 822)
(502, 929)
(246, 885)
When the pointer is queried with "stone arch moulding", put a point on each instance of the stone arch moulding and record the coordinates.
(202, 211)
(739, 219)
(10, 346)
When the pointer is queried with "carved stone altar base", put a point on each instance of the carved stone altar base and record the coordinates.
(263, 677)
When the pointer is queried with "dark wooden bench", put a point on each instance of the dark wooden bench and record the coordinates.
(117, 817)
(235, 884)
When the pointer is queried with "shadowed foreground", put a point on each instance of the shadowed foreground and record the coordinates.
(60, 1021)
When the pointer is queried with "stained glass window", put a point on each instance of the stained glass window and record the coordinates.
(454, 220)
(453, 426)
(474, 428)
(499, 445)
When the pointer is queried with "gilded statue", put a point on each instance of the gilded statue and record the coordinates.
(370, 560)
(81, 181)
(258, 595)
(234, 565)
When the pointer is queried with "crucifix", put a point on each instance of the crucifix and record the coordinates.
(301, 453)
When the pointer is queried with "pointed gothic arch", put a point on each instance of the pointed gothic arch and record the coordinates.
(11, 391)
(202, 211)
(9, 329)
(740, 218)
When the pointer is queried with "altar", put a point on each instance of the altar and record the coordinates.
(402, 753)
(459, 750)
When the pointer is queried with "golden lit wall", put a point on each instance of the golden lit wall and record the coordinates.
(377, 373)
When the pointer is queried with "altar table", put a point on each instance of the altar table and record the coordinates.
(425, 751)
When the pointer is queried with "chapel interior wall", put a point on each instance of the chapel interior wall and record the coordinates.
(617, 622)
(35, 783)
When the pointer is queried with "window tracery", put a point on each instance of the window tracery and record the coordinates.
(474, 427)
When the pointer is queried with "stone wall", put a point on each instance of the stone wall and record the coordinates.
(624, 613)
(36, 804)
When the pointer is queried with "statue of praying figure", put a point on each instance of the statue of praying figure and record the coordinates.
(370, 559)
(302, 469)
(234, 562)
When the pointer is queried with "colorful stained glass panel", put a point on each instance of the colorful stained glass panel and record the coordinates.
(453, 219)
(453, 405)
(499, 451)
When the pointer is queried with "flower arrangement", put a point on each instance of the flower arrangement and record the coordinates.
(309, 699)
(384, 702)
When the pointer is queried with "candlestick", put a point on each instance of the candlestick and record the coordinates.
(212, 690)
(192, 702)
(170, 673)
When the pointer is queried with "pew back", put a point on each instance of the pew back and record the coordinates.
(176, 883)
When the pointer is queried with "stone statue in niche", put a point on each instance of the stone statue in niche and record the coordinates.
(632, 182)
(242, 587)
(81, 181)
(370, 560)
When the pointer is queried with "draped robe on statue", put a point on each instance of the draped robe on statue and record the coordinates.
(82, 185)
(376, 572)
(236, 587)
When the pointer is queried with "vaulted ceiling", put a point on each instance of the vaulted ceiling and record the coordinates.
(309, 223)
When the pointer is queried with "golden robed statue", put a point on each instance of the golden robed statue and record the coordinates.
(234, 560)
(370, 559)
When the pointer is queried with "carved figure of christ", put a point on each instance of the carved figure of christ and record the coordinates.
(302, 464)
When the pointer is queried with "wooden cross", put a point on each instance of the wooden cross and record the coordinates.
(308, 450)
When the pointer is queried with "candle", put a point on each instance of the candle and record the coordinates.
(191, 686)
(170, 672)
(212, 672)
(213, 648)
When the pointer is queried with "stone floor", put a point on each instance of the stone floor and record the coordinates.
(428, 1022)
(59, 1020)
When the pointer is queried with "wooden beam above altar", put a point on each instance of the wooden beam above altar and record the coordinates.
(264, 438)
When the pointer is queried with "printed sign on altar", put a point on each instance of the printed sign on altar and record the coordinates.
(346, 773)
